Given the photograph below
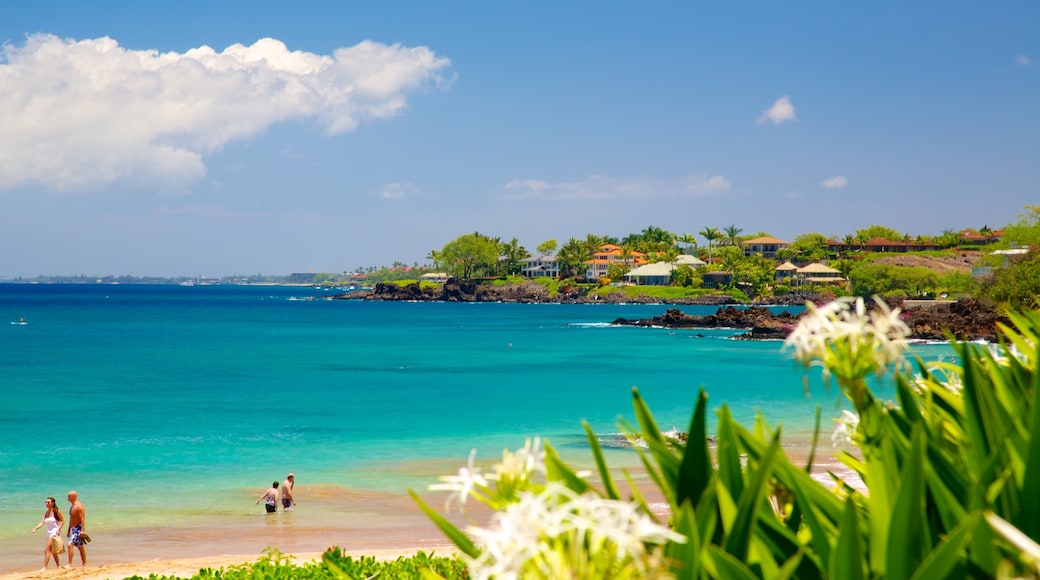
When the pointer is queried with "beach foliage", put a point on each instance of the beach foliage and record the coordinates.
(947, 477)
(334, 565)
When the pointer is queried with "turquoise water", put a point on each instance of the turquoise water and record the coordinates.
(167, 401)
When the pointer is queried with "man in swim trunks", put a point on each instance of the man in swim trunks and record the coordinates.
(270, 498)
(77, 529)
(287, 486)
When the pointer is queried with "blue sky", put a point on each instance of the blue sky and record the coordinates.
(361, 133)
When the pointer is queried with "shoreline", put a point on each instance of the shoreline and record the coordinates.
(386, 529)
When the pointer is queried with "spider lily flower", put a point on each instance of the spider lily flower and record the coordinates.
(849, 343)
(461, 485)
(558, 533)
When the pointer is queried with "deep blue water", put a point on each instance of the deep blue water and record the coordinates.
(147, 397)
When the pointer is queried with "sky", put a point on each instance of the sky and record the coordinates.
(253, 137)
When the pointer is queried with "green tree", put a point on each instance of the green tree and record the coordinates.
(686, 276)
(511, 254)
(710, 234)
(572, 257)
(616, 271)
(755, 273)
(689, 239)
(732, 235)
(1018, 285)
(875, 231)
(1026, 231)
(469, 255)
(547, 247)
(885, 279)
(805, 248)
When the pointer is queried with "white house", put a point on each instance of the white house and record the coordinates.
(545, 265)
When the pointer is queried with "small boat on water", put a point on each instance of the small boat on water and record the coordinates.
(20, 322)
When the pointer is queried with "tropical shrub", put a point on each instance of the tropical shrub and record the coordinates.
(950, 470)
(334, 565)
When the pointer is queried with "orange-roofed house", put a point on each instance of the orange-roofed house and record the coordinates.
(767, 246)
(612, 254)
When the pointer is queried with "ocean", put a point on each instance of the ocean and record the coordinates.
(170, 409)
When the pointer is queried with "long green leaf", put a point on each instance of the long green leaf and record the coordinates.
(601, 463)
(557, 470)
(752, 498)
(847, 560)
(727, 449)
(907, 540)
(728, 567)
(685, 557)
(1030, 516)
(695, 469)
(454, 534)
(942, 560)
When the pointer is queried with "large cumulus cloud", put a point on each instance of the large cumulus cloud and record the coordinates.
(81, 115)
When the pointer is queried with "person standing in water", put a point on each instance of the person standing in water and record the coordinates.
(77, 529)
(288, 500)
(271, 498)
(54, 521)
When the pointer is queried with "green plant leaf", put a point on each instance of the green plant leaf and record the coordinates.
(601, 463)
(454, 534)
(728, 567)
(751, 499)
(557, 470)
(848, 560)
(907, 538)
(941, 561)
(695, 469)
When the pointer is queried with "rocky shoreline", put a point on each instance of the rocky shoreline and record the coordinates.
(965, 319)
(527, 293)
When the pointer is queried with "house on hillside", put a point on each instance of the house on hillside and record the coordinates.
(767, 246)
(975, 238)
(716, 279)
(690, 260)
(544, 266)
(817, 273)
(656, 274)
(784, 273)
(612, 254)
(438, 277)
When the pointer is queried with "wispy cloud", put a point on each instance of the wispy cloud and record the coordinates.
(602, 187)
(1023, 60)
(782, 111)
(836, 182)
(397, 190)
(81, 115)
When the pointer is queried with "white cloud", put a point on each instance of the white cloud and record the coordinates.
(80, 115)
(836, 182)
(781, 112)
(601, 187)
(397, 190)
(1023, 60)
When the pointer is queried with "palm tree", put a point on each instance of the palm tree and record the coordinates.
(732, 235)
(710, 234)
(688, 239)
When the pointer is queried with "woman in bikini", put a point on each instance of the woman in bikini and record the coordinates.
(54, 521)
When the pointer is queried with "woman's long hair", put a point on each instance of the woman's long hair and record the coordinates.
(55, 510)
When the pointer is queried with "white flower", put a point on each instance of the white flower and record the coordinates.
(844, 429)
(461, 485)
(847, 341)
(558, 530)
